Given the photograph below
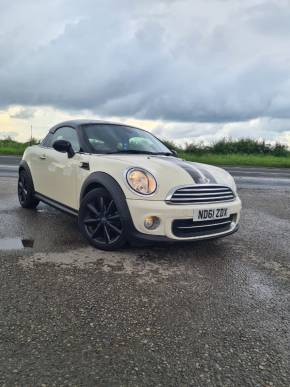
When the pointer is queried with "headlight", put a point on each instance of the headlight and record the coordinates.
(141, 181)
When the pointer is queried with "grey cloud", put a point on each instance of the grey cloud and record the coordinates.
(271, 18)
(178, 61)
(264, 128)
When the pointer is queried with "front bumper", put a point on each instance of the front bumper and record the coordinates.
(140, 209)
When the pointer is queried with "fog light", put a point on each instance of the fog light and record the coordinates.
(151, 222)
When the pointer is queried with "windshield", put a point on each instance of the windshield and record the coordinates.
(109, 138)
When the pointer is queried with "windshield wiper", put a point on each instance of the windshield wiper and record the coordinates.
(139, 152)
(164, 153)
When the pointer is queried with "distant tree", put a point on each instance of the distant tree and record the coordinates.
(171, 145)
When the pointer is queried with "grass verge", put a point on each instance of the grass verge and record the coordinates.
(10, 147)
(11, 151)
(238, 159)
(255, 160)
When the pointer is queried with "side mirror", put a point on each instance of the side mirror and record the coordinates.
(174, 152)
(64, 146)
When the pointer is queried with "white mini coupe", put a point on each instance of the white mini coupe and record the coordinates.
(124, 184)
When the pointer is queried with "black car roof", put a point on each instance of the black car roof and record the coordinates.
(80, 122)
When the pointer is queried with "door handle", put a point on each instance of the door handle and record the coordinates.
(42, 157)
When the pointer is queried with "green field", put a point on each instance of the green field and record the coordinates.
(244, 151)
(10, 147)
(203, 155)
(239, 159)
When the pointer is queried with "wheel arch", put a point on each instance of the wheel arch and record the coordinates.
(89, 187)
(101, 180)
(104, 180)
(23, 166)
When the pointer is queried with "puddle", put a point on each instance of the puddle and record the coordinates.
(15, 244)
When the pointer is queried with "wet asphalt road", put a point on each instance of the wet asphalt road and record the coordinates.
(202, 314)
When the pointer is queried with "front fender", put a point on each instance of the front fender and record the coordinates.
(97, 179)
(102, 179)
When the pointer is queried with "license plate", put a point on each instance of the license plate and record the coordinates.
(209, 214)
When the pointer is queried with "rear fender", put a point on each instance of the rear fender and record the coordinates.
(24, 166)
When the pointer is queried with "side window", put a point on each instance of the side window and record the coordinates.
(68, 134)
(46, 142)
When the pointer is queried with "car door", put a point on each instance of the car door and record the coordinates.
(61, 171)
(38, 166)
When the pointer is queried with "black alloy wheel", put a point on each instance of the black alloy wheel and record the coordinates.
(26, 191)
(100, 220)
(22, 189)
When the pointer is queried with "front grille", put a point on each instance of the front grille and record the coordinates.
(201, 194)
(186, 228)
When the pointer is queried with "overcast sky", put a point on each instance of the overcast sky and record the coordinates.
(185, 69)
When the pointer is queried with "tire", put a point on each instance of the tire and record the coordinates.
(101, 220)
(26, 191)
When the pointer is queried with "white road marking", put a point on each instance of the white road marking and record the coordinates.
(13, 167)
